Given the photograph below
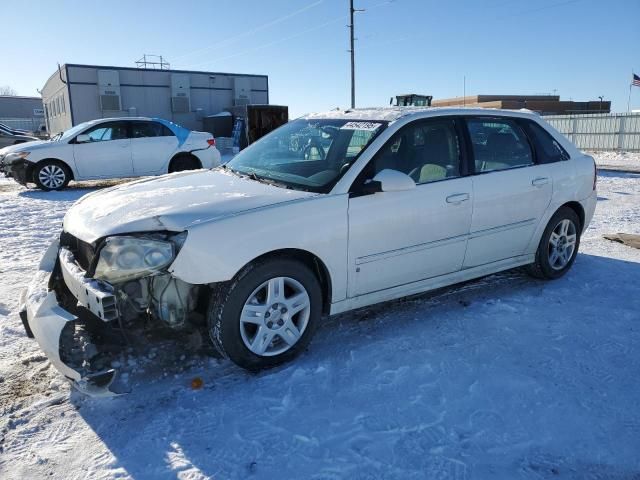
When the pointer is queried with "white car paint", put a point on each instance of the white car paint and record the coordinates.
(215, 205)
(120, 158)
(374, 247)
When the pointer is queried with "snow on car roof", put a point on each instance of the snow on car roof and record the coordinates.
(391, 114)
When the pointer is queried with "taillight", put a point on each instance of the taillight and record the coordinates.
(595, 175)
(211, 142)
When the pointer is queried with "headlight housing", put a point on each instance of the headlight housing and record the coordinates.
(17, 156)
(125, 258)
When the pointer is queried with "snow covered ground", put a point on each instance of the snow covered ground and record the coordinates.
(502, 378)
(629, 161)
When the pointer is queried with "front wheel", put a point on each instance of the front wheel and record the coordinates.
(558, 247)
(51, 175)
(267, 314)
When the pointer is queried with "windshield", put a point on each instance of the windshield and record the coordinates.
(307, 154)
(72, 132)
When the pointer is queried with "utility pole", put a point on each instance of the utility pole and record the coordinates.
(353, 53)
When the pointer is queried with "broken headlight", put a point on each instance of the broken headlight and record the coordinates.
(126, 258)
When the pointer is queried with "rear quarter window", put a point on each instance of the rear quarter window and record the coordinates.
(547, 148)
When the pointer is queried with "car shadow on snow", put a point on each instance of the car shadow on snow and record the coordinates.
(74, 190)
(371, 401)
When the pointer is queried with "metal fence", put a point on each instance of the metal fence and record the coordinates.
(614, 131)
(30, 124)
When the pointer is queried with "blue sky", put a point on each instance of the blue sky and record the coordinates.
(579, 48)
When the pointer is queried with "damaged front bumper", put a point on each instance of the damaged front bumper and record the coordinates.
(48, 322)
(18, 169)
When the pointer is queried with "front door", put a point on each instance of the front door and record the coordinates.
(511, 193)
(397, 238)
(106, 153)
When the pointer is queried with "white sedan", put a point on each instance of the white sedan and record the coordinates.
(110, 148)
(329, 213)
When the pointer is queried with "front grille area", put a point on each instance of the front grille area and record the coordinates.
(82, 251)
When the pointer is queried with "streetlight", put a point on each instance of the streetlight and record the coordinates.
(600, 97)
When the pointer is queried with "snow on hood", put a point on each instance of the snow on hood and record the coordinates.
(173, 203)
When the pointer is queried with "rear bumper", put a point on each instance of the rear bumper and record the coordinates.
(589, 206)
(46, 320)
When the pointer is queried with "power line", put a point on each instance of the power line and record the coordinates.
(251, 32)
(274, 42)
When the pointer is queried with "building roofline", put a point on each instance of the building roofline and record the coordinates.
(112, 67)
(21, 96)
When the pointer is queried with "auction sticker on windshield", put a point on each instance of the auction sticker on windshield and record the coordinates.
(370, 126)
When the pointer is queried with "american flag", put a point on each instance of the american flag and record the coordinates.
(636, 80)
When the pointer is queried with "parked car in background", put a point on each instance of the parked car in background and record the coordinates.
(10, 136)
(387, 203)
(110, 148)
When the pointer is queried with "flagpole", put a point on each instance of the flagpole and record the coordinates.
(629, 99)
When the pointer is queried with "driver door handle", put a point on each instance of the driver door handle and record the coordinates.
(539, 181)
(458, 198)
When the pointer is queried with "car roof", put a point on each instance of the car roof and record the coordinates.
(391, 114)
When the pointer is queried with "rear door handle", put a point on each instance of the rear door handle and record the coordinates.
(540, 181)
(458, 198)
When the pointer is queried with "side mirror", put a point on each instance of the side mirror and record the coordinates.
(83, 138)
(394, 181)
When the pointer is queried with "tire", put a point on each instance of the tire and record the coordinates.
(184, 162)
(51, 175)
(270, 326)
(554, 261)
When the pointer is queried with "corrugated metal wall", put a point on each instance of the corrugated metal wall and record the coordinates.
(615, 131)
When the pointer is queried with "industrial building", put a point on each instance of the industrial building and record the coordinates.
(77, 93)
(24, 113)
(543, 104)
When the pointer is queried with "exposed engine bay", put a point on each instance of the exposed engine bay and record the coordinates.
(130, 310)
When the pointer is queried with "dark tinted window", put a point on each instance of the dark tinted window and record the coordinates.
(108, 131)
(498, 144)
(427, 151)
(149, 129)
(548, 150)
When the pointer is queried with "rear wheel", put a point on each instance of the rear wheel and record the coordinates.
(267, 315)
(559, 245)
(51, 175)
(184, 162)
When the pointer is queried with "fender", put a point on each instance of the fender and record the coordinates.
(215, 251)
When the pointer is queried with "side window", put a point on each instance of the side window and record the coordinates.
(108, 131)
(164, 131)
(141, 129)
(144, 129)
(498, 144)
(427, 151)
(548, 150)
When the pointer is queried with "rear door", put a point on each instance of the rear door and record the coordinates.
(107, 153)
(152, 146)
(396, 238)
(511, 192)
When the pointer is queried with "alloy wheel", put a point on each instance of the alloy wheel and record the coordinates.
(275, 316)
(562, 244)
(52, 176)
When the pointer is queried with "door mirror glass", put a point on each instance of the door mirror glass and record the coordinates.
(394, 181)
(83, 138)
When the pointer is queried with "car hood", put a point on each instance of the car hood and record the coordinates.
(23, 146)
(172, 202)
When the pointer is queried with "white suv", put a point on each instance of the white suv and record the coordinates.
(110, 148)
(326, 214)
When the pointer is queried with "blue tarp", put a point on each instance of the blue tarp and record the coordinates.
(180, 132)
